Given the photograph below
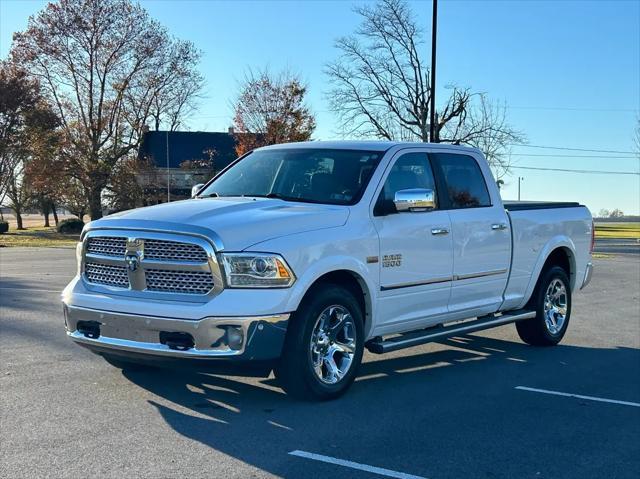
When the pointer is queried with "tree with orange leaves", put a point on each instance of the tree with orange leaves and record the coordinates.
(271, 109)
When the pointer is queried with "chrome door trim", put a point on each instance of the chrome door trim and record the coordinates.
(462, 277)
(417, 283)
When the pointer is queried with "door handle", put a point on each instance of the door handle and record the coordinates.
(498, 226)
(439, 231)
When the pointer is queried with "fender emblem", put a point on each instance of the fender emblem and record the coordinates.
(391, 260)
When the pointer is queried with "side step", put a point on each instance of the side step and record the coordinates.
(422, 336)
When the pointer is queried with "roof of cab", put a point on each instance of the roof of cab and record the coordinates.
(365, 145)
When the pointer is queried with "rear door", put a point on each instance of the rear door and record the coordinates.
(480, 234)
(415, 249)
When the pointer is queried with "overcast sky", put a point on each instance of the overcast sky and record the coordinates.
(569, 71)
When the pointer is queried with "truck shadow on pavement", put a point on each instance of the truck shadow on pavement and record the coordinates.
(461, 390)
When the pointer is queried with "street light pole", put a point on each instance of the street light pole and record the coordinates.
(432, 119)
(168, 171)
(520, 178)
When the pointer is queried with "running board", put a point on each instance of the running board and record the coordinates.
(422, 336)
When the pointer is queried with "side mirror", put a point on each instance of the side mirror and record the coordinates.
(196, 189)
(416, 199)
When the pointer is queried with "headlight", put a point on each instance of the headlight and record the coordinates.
(256, 270)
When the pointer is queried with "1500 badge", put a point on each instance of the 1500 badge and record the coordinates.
(391, 260)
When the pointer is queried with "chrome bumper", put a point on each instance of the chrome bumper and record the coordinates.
(587, 275)
(255, 338)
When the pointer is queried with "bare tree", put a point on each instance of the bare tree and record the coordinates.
(381, 88)
(271, 109)
(104, 64)
(180, 96)
(484, 125)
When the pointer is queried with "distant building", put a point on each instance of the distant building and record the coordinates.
(188, 157)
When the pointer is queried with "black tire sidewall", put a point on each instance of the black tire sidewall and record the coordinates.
(306, 317)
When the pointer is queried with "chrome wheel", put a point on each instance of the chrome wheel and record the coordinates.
(333, 344)
(555, 306)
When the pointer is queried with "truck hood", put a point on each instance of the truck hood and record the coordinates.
(236, 223)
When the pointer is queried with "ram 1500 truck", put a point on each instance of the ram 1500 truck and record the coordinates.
(296, 257)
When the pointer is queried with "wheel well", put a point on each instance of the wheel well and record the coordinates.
(561, 257)
(353, 283)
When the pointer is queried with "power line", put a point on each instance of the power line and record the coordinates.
(552, 155)
(573, 149)
(568, 108)
(595, 172)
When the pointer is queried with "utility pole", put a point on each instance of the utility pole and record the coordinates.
(168, 171)
(520, 178)
(432, 107)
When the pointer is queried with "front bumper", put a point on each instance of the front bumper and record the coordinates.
(237, 339)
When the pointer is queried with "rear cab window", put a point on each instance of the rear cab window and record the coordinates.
(465, 186)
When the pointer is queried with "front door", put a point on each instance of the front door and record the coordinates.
(415, 250)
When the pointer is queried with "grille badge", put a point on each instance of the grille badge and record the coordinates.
(133, 255)
(132, 262)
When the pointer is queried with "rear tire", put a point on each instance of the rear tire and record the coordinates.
(323, 346)
(551, 301)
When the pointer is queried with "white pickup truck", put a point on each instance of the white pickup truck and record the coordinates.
(297, 257)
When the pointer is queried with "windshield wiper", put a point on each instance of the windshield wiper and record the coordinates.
(278, 196)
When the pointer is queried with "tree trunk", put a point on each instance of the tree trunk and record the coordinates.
(95, 202)
(19, 219)
(45, 213)
(55, 213)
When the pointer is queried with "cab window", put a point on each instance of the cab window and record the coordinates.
(464, 180)
(412, 170)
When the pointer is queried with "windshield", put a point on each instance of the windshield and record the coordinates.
(309, 175)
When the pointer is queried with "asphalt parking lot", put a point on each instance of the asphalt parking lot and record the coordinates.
(476, 406)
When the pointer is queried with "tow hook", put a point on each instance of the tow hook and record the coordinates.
(90, 329)
(177, 341)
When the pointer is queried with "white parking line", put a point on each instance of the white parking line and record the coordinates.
(355, 465)
(589, 398)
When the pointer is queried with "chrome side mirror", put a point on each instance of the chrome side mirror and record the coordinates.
(415, 199)
(196, 189)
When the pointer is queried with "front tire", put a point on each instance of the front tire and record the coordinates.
(324, 345)
(552, 302)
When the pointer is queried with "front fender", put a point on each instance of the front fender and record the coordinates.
(312, 255)
(330, 265)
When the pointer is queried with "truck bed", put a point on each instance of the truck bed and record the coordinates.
(538, 205)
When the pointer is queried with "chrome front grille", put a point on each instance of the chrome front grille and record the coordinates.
(173, 251)
(107, 246)
(198, 282)
(107, 274)
(152, 264)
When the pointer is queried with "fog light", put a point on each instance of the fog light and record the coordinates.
(235, 337)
